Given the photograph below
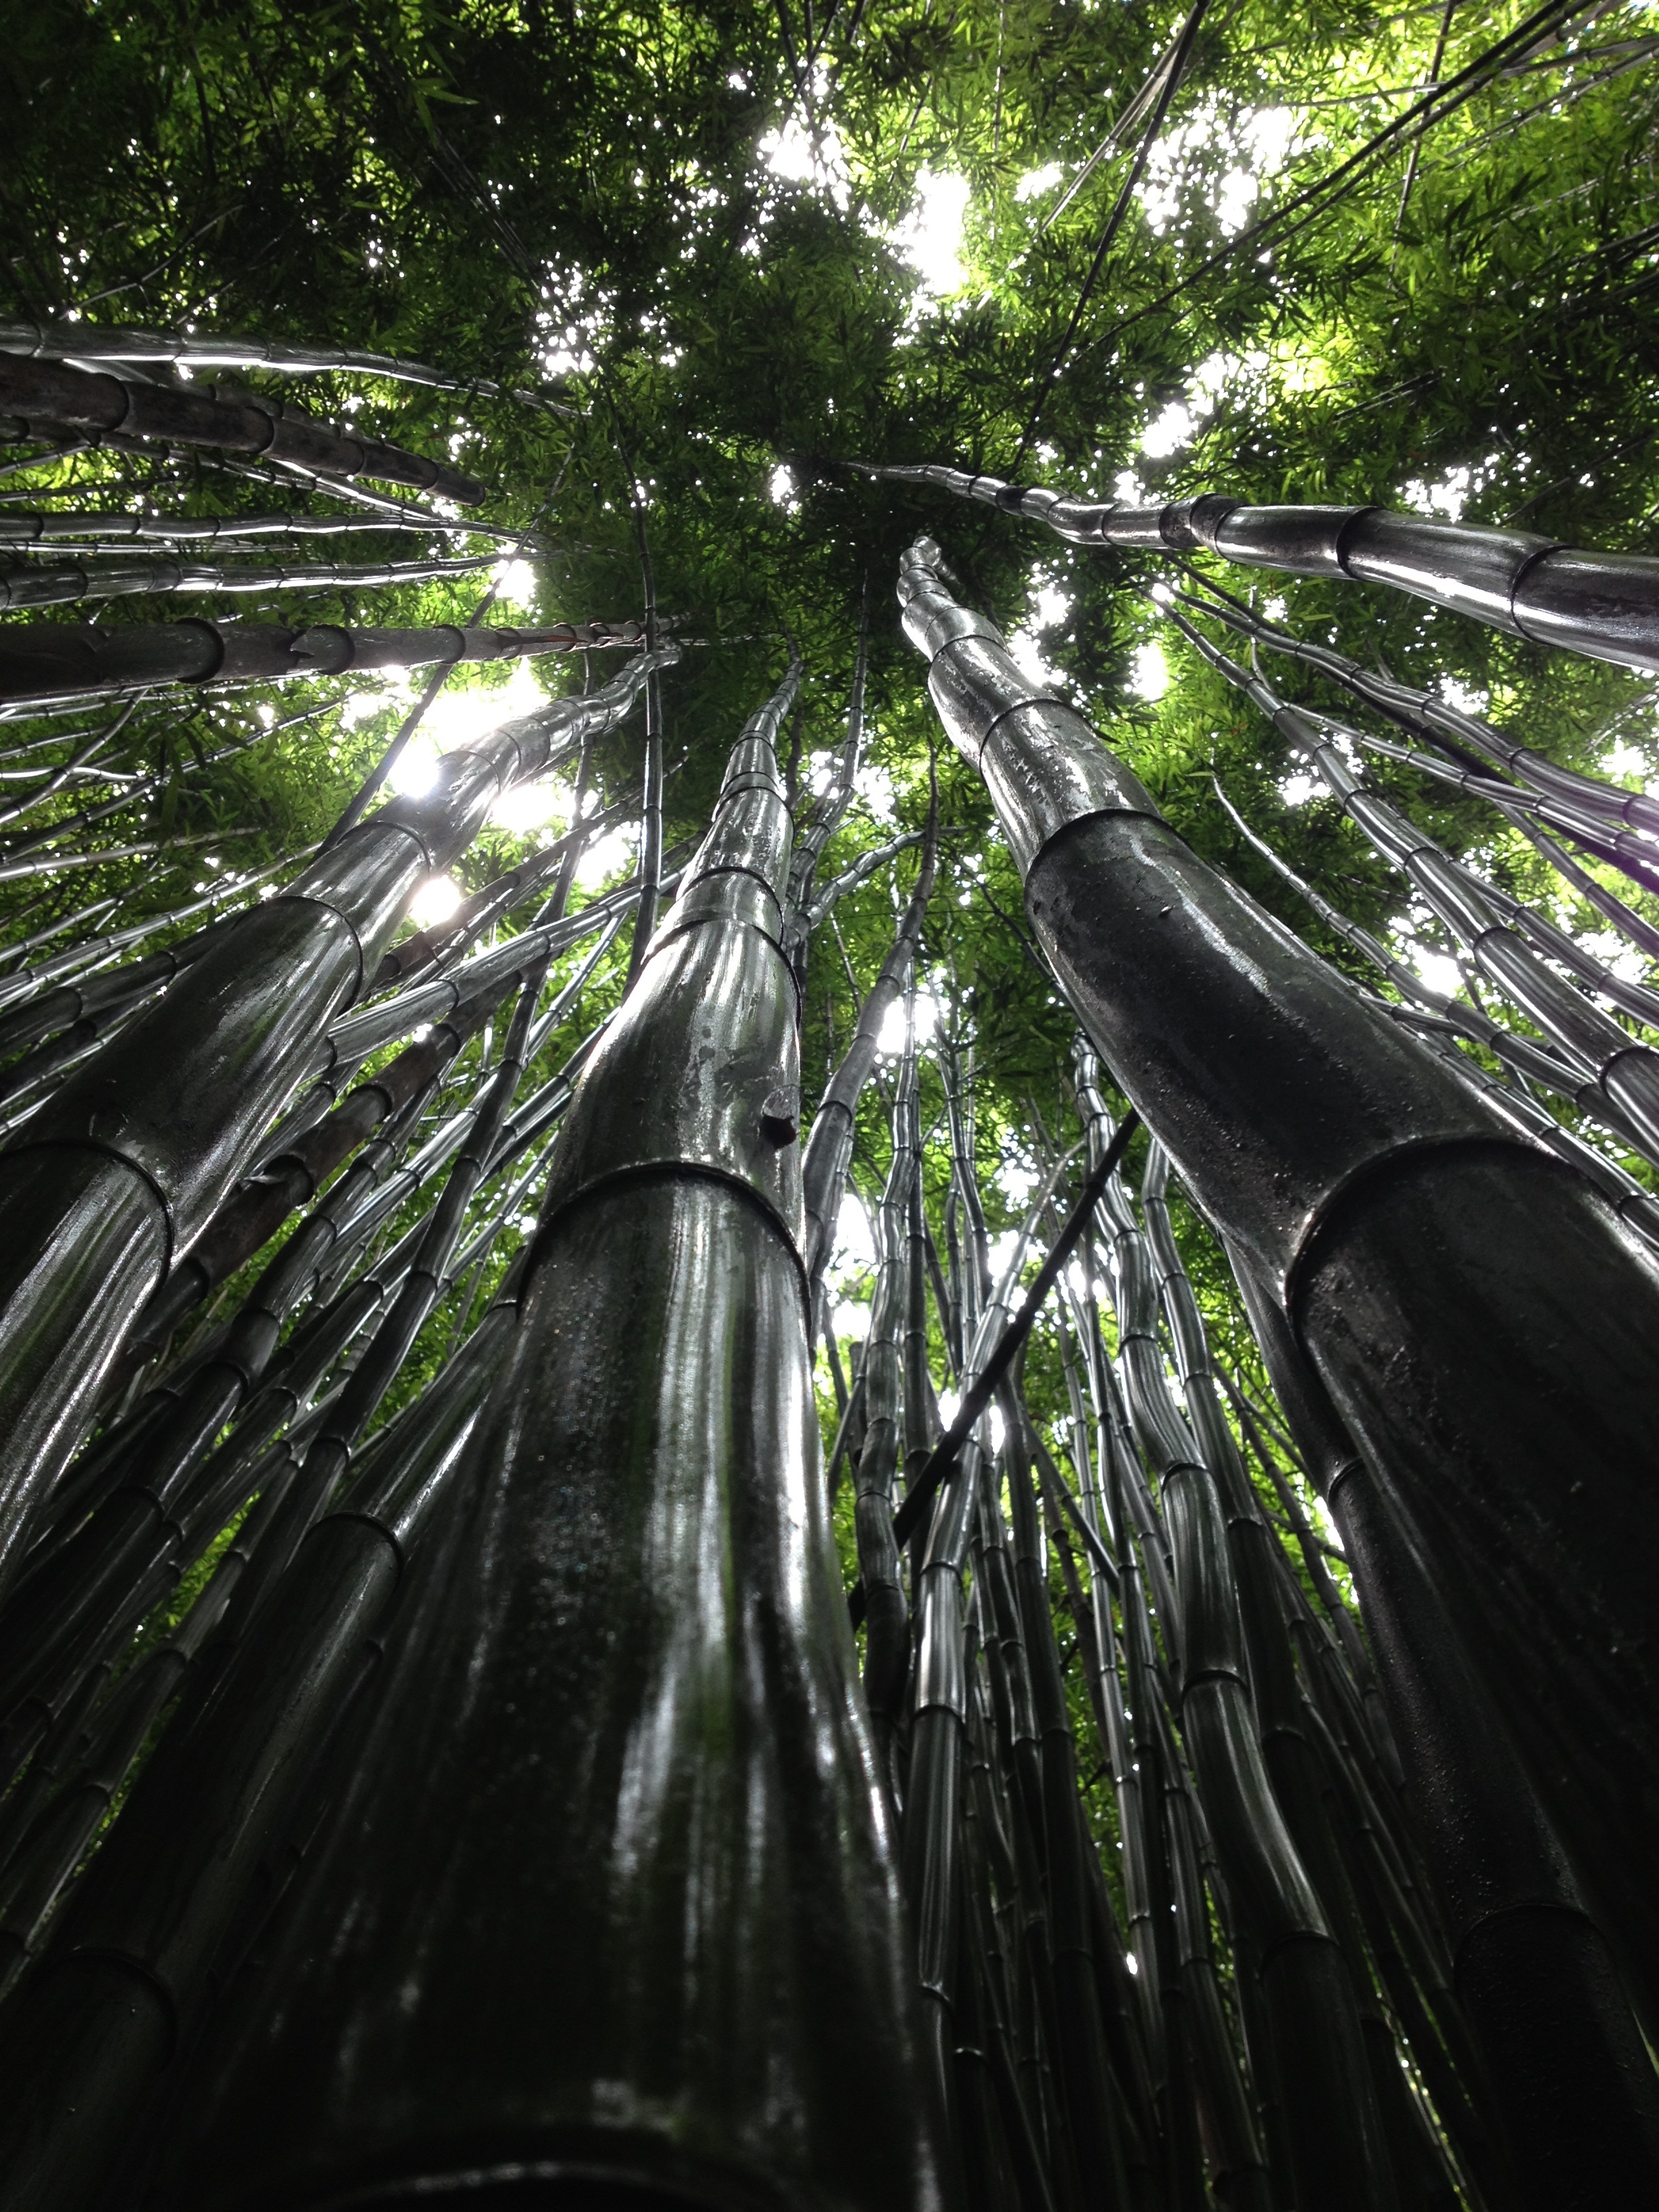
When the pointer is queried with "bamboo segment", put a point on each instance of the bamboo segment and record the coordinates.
(127, 1971)
(1537, 1980)
(829, 1147)
(50, 662)
(115, 1177)
(97, 528)
(63, 583)
(80, 341)
(634, 1648)
(1476, 1312)
(1604, 605)
(241, 422)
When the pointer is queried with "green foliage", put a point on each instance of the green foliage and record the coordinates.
(687, 226)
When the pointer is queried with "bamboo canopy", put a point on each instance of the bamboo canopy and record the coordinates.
(843, 1404)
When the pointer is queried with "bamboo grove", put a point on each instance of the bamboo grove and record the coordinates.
(829, 1105)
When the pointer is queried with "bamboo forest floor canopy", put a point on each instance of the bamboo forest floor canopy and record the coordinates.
(829, 1106)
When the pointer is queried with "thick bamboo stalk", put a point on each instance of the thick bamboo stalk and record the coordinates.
(118, 1175)
(697, 1975)
(62, 583)
(1473, 1305)
(238, 422)
(49, 662)
(1604, 605)
(1535, 1976)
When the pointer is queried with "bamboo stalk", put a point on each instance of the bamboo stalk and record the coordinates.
(46, 663)
(200, 1078)
(99, 527)
(1328, 1149)
(194, 1828)
(85, 341)
(241, 422)
(1603, 605)
(887, 1616)
(64, 582)
(665, 1276)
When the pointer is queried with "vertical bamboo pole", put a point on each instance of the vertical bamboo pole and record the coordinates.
(636, 1653)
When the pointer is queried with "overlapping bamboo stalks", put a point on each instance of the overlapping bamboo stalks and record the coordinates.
(435, 1753)
(1605, 605)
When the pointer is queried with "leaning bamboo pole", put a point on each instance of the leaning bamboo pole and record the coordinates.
(64, 583)
(119, 1172)
(80, 527)
(1598, 1050)
(210, 1804)
(1470, 1302)
(40, 390)
(1605, 605)
(94, 342)
(45, 664)
(700, 1977)
(1612, 824)
(1535, 1975)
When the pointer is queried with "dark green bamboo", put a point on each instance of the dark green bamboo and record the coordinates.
(44, 664)
(237, 422)
(123, 1169)
(1535, 1974)
(1331, 2115)
(1473, 1305)
(64, 583)
(887, 1613)
(712, 1911)
(1605, 604)
(127, 1968)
